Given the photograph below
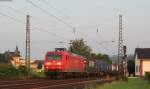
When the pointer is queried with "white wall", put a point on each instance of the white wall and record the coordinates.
(137, 65)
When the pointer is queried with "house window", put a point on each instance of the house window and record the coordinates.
(137, 68)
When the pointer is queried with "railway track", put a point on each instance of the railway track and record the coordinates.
(50, 84)
(3, 82)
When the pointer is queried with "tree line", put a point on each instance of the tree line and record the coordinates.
(79, 46)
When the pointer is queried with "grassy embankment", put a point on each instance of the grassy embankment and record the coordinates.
(133, 83)
(7, 71)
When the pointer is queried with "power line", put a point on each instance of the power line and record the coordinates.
(51, 6)
(24, 22)
(56, 9)
(48, 13)
(46, 30)
(98, 25)
(74, 30)
(59, 20)
(2, 14)
(67, 24)
(36, 28)
(22, 13)
(16, 10)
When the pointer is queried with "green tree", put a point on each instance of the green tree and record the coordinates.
(131, 67)
(98, 56)
(7, 71)
(106, 58)
(23, 70)
(147, 76)
(39, 65)
(79, 47)
(2, 59)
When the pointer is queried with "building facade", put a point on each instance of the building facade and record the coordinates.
(14, 58)
(142, 61)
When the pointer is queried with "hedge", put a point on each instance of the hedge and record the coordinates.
(147, 76)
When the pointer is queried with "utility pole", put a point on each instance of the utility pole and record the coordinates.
(74, 32)
(27, 55)
(120, 45)
(125, 60)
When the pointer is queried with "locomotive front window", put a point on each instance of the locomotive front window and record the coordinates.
(54, 56)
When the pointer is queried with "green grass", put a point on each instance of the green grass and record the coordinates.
(37, 75)
(133, 83)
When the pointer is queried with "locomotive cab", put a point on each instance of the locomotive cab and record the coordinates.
(53, 61)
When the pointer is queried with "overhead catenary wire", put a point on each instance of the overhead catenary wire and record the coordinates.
(67, 24)
(54, 34)
(36, 28)
(75, 31)
(50, 14)
(64, 14)
(23, 13)
(56, 9)
(20, 12)
(14, 9)
(98, 24)
(10, 17)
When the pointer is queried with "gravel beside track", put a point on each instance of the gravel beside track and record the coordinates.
(50, 84)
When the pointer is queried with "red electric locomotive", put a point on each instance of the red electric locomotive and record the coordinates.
(61, 62)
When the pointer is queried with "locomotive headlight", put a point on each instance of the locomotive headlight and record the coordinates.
(48, 63)
(59, 63)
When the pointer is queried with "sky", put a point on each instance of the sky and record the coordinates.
(53, 27)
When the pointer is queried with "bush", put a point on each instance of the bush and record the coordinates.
(7, 71)
(147, 76)
(37, 75)
(23, 71)
(125, 78)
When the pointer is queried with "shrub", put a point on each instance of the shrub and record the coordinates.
(37, 75)
(23, 71)
(147, 76)
(125, 78)
(7, 71)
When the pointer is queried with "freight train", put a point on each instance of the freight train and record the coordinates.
(60, 63)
